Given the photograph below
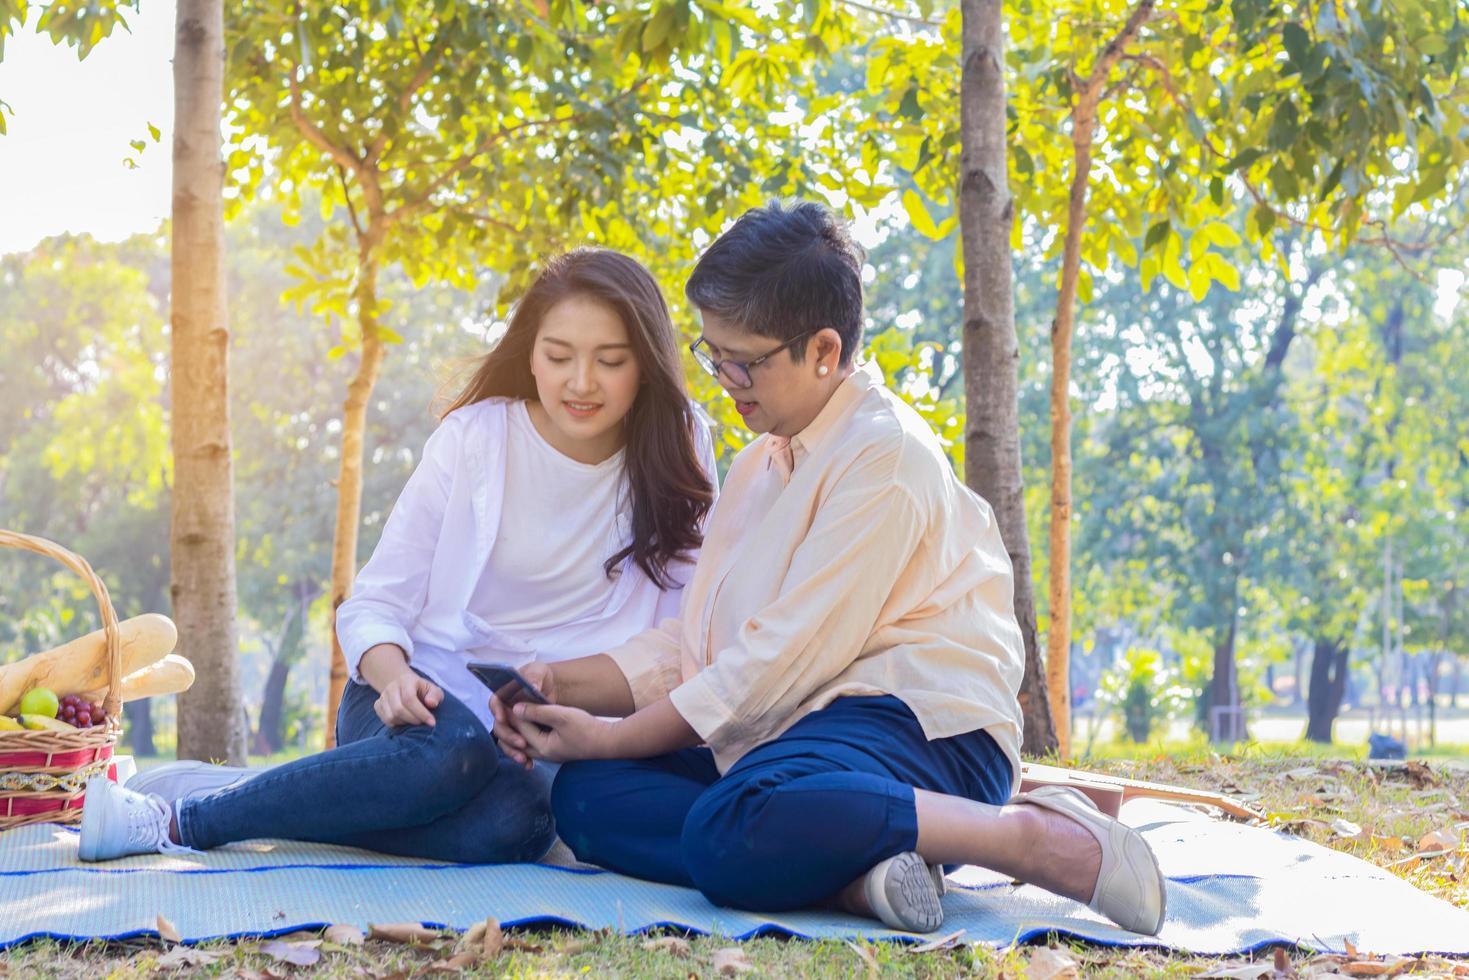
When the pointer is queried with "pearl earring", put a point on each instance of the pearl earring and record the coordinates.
(823, 370)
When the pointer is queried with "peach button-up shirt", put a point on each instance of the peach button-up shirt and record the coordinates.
(848, 560)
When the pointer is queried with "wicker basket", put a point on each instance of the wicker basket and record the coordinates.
(43, 774)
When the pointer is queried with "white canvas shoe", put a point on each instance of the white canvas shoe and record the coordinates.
(188, 779)
(903, 892)
(117, 822)
(1130, 890)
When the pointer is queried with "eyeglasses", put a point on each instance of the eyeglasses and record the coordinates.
(738, 372)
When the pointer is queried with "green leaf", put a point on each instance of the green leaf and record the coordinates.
(656, 31)
(1297, 43)
(1432, 44)
(1284, 127)
(1332, 179)
(909, 107)
(1220, 234)
(1243, 159)
(154, 132)
(1157, 234)
(1216, 190)
(1199, 281)
(918, 214)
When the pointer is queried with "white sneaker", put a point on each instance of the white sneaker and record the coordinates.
(117, 822)
(904, 893)
(188, 780)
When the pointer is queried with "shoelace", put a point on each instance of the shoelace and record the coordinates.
(148, 820)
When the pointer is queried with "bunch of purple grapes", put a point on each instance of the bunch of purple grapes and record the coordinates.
(80, 714)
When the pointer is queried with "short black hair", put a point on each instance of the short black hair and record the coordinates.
(782, 271)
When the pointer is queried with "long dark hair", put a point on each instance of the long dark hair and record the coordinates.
(671, 493)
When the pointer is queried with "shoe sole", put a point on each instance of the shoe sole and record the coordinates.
(94, 823)
(917, 906)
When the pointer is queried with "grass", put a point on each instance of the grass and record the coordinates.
(1389, 813)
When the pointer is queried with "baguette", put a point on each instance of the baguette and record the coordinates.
(170, 675)
(81, 665)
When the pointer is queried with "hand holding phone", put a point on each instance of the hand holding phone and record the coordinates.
(510, 685)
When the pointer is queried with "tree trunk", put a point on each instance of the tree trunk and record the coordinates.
(270, 730)
(1226, 720)
(139, 715)
(1083, 127)
(1329, 665)
(202, 538)
(349, 475)
(991, 348)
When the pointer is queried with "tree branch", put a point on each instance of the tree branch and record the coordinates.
(347, 196)
(492, 140)
(426, 66)
(892, 14)
(313, 133)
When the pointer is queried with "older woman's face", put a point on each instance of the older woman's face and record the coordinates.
(784, 396)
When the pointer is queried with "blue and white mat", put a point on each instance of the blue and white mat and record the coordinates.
(1231, 889)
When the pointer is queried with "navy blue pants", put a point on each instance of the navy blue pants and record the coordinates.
(792, 822)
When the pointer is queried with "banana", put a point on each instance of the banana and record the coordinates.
(38, 723)
(9, 724)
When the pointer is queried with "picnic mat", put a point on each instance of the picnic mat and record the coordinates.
(1231, 889)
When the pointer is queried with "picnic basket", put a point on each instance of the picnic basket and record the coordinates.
(43, 774)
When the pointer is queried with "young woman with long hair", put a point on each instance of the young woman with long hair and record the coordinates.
(555, 513)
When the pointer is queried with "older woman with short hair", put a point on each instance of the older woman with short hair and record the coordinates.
(833, 717)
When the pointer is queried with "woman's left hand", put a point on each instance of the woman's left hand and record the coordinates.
(556, 733)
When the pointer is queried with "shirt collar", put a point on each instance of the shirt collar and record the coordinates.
(785, 454)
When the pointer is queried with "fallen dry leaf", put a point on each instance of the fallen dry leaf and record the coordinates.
(484, 940)
(411, 933)
(343, 935)
(264, 974)
(1239, 971)
(167, 932)
(1371, 968)
(1419, 774)
(524, 945)
(187, 957)
(943, 942)
(454, 964)
(864, 952)
(1051, 964)
(296, 954)
(493, 940)
(672, 945)
(731, 961)
(1438, 840)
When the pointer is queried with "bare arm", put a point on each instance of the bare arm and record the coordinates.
(595, 684)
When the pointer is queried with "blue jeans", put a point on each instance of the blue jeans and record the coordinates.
(792, 822)
(443, 792)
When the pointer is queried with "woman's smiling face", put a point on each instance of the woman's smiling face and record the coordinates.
(587, 377)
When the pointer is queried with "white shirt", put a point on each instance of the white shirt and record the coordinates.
(548, 563)
(416, 590)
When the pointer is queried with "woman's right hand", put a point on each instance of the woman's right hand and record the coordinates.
(408, 699)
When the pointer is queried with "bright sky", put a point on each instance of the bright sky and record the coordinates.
(61, 164)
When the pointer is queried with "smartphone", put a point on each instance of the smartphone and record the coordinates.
(506, 683)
